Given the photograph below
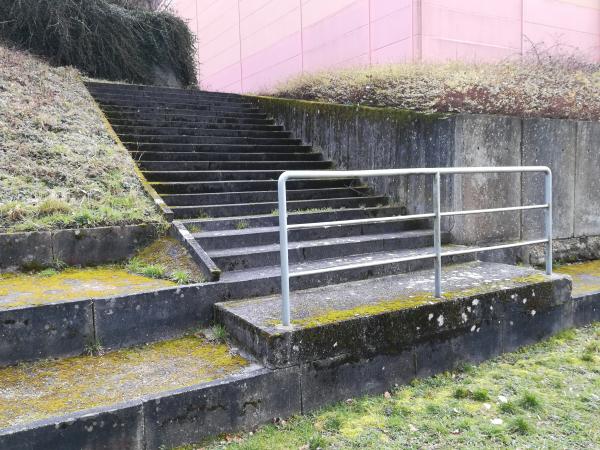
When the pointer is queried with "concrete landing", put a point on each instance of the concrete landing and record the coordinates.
(30, 392)
(390, 314)
(585, 276)
(20, 290)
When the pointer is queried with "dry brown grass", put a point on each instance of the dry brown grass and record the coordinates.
(58, 165)
(542, 85)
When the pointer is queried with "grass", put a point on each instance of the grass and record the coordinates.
(543, 396)
(59, 168)
(546, 83)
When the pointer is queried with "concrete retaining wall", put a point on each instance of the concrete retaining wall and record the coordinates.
(76, 247)
(380, 138)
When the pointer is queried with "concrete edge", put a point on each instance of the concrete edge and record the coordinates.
(208, 267)
(158, 201)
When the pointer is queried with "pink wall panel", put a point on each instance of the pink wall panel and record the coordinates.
(249, 45)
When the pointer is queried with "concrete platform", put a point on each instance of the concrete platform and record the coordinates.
(493, 305)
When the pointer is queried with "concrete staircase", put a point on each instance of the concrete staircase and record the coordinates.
(215, 158)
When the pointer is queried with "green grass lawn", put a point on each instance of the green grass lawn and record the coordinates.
(544, 396)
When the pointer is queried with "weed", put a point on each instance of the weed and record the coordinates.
(461, 392)
(194, 228)
(316, 442)
(51, 206)
(481, 395)
(275, 212)
(48, 272)
(181, 277)
(219, 332)
(508, 407)
(135, 265)
(332, 423)
(530, 400)
(154, 271)
(520, 425)
(587, 357)
(94, 348)
(241, 225)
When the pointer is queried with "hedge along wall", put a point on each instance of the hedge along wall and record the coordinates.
(380, 138)
(103, 39)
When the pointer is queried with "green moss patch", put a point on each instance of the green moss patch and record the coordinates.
(48, 286)
(585, 275)
(38, 390)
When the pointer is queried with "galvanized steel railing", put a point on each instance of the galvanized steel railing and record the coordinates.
(436, 215)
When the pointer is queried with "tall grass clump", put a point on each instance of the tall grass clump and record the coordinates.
(102, 38)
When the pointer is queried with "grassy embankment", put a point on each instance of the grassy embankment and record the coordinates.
(59, 168)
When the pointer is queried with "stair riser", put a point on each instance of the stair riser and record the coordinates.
(233, 165)
(172, 98)
(191, 121)
(181, 114)
(220, 148)
(192, 156)
(169, 130)
(299, 255)
(154, 91)
(170, 103)
(260, 137)
(272, 237)
(326, 216)
(158, 134)
(266, 208)
(211, 176)
(176, 107)
(242, 186)
(252, 197)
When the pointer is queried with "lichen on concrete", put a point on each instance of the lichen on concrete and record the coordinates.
(18, 290)
(585, 276)
(35, 391)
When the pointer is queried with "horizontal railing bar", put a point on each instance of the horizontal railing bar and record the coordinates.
(365, 264)
(494, 247)
(492, 210)
(295, 174)
(334, 223)
(418, 257)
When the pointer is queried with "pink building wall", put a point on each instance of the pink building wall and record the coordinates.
(248, 45)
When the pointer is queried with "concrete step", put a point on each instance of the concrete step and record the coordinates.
(153, 91)
(234, 165)
(336, 270)
(170, 102)
(232, 237)
(272, 221)
(241, 209)
(213, 175)
(180, 114)
(190, 131)
(176, 107)
(155, 134)
(168, 97)
(486, 308)
(157, 139)
(192, 121)
(220, 148)
(203, 187)
(239, 258)
(260, 196)
(224, 156)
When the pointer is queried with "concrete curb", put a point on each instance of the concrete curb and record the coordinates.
(208, 267)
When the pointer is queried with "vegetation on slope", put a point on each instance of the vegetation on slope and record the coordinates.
(59, 168)
(110, 39)
(544, 396)
(540, 86)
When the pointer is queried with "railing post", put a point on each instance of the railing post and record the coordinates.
(283, 251)
(548, 217)
(437, 235)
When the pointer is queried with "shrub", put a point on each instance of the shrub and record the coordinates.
(101, 38)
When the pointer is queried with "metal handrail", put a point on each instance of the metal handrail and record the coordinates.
(436, 215)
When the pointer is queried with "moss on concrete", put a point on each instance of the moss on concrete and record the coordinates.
(585, 275)
(38, 390)
(18, 290)
(410, 301)
(401, 117)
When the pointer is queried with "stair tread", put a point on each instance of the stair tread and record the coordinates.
(319, 242)
(328, 263)
(371, 197)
